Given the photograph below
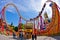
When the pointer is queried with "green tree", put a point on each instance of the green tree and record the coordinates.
(16, 29)
(11, 25)
(22, 26)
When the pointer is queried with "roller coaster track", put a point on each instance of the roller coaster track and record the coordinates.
(5, 7)
(50, 26)
(54, 23)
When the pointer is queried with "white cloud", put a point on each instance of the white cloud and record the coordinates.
(10, 9)
(48, 9)
(35, 5)
(21, 8)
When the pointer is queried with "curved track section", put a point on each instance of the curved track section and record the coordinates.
(53, 26)
(5, 7)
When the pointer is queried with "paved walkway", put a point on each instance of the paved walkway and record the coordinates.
(44, 38)
(3, 37)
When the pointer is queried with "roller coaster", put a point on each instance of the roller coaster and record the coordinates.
(52, 28)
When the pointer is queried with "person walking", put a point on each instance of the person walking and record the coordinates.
(20, 35)
(35, 32)
(14, 36)
(35, 37)
(32, 36)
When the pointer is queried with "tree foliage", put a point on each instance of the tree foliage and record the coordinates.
(16, 27)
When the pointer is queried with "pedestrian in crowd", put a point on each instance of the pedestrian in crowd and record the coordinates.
(35, 32)
(35, 37)
(21, 35)
(14, 36)
(24, 35)
(27, 35)
(32, 36)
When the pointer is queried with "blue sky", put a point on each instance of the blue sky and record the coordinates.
(27, 8)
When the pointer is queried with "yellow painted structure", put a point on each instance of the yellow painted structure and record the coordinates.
(53, 26)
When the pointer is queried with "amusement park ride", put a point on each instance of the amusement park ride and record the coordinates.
(52, 28)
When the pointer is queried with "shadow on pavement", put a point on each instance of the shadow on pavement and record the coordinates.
(55, 37)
